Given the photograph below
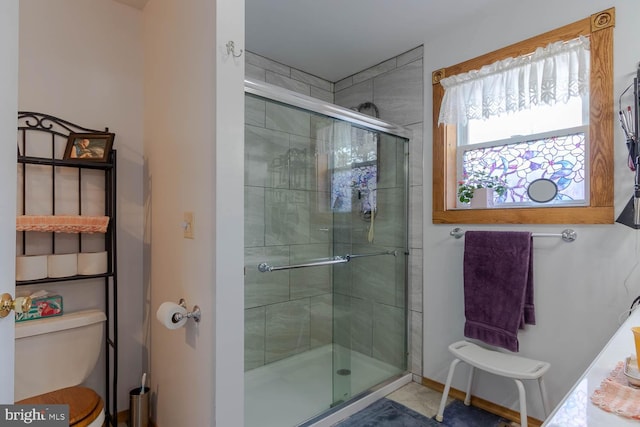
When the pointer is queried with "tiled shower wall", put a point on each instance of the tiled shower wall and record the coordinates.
(275, 325)
(288, 311)
(265, 70)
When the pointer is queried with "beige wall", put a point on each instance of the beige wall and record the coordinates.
(82, 61)
(88, 68)
(193, 162)
(179, 176)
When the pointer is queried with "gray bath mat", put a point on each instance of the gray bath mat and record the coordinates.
(387, 413)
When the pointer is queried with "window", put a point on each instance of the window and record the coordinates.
(355, 169)
(577, 152)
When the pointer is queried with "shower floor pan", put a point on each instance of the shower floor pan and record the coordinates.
(288, 392)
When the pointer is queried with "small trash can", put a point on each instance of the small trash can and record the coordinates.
(139, 407)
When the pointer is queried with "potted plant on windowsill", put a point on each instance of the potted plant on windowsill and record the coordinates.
(479, 189)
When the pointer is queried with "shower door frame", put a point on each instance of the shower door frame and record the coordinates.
(314, 105)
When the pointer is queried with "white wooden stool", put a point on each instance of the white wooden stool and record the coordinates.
(503, 364)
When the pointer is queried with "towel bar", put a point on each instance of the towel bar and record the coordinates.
(568, 235)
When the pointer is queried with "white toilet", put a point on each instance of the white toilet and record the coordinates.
(53, 356)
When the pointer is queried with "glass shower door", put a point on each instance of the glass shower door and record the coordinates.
(325, 255)
(369, 200)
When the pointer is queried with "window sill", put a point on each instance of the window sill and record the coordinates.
(555, 215)
(549, 205)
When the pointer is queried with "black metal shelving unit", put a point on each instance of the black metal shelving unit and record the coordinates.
(39, 133)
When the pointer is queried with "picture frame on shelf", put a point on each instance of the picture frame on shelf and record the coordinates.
(94, 147)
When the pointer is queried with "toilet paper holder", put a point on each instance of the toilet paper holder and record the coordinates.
(193, 314)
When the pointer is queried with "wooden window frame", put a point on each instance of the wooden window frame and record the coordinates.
(599, 28)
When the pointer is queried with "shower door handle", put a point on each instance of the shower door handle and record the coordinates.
(265, 268)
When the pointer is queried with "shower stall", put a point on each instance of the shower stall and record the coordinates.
(325, 256)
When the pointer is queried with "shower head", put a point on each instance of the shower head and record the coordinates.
(369, 106)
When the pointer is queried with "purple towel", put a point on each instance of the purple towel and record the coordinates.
(498, 286)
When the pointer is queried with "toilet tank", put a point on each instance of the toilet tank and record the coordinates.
(56, 352)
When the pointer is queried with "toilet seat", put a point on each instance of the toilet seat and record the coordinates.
(86, 408)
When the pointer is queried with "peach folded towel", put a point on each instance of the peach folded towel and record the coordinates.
(614, 395)
(62, 223)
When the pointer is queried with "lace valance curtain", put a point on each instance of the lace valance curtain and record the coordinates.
(551, 74)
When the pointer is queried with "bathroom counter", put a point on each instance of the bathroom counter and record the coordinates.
(576, 409)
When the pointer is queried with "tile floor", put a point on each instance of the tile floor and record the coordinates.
(421, 399)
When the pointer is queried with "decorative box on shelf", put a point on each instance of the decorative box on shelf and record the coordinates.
(43, 304)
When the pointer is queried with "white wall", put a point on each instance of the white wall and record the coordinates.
(582, 287)
(193, 160)
(82, 61)
(229, 217)
(8, 111)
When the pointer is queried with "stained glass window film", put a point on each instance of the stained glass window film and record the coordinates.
(559, 158)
